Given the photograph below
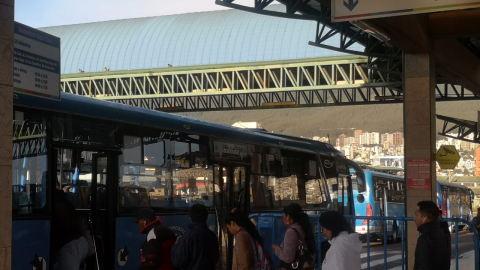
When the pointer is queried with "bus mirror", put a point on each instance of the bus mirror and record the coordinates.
(360, 198)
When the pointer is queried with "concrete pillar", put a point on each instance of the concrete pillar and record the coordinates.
(6, 116)
(420, 134)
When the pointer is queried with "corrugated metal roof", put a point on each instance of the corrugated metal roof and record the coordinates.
(204, 38)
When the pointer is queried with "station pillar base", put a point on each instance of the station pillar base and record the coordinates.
(420, 135)
(6, 112)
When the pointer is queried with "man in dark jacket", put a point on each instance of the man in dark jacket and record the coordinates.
(433, 249)
(197, 249)
(156, 251)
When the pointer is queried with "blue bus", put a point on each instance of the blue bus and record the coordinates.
(384, 195)
(111, 160)
(455, 201)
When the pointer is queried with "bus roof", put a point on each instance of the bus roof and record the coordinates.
(90, 107)
(452, 185)
(387, 175)
(384, 168)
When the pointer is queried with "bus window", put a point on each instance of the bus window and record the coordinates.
(29, 164)
(181, 154)
(74, 176)
(132, 149)
(153, 152)
(199, 155)
(316, 195)
(270, 164)
(191, 186)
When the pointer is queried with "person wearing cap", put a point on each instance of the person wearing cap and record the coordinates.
(156, 251)
(198, 248)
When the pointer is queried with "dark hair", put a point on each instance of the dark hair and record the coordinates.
(430, 209)
(198, 213)
(242, 220)
(294, 210)
(334, 221)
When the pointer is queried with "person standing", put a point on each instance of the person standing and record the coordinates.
(433, 250)
(345, 245)
(248, 252)
(71, 245)
(198, 248)
(299, 233)
(156, 249)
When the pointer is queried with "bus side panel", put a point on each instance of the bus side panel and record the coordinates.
(30, 244)
(128, 237)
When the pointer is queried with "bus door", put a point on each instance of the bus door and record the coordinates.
(230, 193)
(85, 177)
(381, 197)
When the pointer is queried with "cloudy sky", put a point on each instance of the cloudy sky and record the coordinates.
(40, 13)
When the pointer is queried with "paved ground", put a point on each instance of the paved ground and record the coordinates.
(394, 253)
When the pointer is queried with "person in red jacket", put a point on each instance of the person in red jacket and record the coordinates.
(156, 251)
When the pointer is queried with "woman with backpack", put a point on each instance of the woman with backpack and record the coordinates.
(298, 244)
(248, 253)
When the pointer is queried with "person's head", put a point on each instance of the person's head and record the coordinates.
(426, 211)
(237, 221)
(333, 223)
(145, 216)
(478, 211)
(292, 214)
(198, 213)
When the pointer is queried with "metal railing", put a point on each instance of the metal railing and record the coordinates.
(404, 221)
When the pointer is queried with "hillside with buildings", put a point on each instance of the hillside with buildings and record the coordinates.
(333, 121)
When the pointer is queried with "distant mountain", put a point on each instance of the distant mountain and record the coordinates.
(309, 122)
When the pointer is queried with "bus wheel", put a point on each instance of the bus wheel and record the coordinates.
(394, 233)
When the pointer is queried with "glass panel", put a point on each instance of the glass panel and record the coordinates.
(315, 194)
(239, 187)
(182, 154)
(29, 163)
(29, 182)
(199, 155)
(191, 186)
(102, 182)
(154, 152)
(132, 149)
(270, 164)
(74, 176)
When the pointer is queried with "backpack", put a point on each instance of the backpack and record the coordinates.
(262, 260)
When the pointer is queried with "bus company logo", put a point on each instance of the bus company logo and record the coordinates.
(230, 151)
(177, 230)
(328, 164)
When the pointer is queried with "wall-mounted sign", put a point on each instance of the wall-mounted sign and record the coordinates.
(418, 173)
(36, 62)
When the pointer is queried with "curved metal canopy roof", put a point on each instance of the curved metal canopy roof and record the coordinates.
(204, 38)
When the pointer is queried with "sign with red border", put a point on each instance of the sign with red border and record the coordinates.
(418, 173)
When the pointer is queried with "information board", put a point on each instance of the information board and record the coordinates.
(36, 62)
(418, 173)
(351, 10)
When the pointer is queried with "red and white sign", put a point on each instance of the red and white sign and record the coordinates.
(418, 173)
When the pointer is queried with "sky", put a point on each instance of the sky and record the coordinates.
(41, 13)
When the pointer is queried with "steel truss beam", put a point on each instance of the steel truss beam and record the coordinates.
(385, 62)
(461, 128)
(283, 99)
(313, 75)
